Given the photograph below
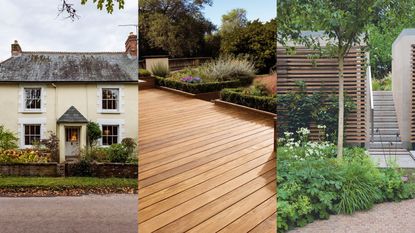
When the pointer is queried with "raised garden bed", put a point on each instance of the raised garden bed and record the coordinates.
(197, 88)
(236, 96)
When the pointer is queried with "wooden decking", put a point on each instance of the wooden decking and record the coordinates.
(204, 168)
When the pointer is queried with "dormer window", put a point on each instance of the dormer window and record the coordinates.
(110, 99)
(33, 99)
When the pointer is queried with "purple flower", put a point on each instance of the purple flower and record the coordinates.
(190, 79)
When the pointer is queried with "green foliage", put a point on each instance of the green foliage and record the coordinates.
(174, 27)
(97, 154)
(109, 4)
(313, 184)
(256, 40)
(118, 153)
(93, 133)
(298, 109)
(359, 186)
(229, 67)
(253, 100)
(143, 73)
(197, 88)
(233, 20)
(22, 156)
(160, 69)
(130, 144)
(7, 139)
(384, 84)
(52, 145)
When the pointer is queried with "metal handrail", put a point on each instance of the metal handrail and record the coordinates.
(372, 108)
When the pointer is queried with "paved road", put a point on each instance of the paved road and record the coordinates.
(84, 214)
(383, 218)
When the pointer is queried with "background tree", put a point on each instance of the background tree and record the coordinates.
(233, 20)
(175, 27)
(68, 8)
(256, 40)
(343, 22)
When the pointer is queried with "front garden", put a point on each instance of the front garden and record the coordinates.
(314, 184)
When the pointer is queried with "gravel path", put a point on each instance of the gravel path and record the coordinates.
(84, 214)
(392, 217)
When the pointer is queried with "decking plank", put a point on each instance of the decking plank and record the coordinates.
(199, 162)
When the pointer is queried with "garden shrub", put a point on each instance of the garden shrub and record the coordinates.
(227, 68)
(313, 183)
(130, 144)
(52, 145)
(160, 69)
(143, 73)
(7, 139)
(237, 96)
(298, 109)
(97, 154)
(196, 88)
(93, 133)
(118, 153)
(22, 156)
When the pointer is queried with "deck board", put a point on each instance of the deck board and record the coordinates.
(204, 168)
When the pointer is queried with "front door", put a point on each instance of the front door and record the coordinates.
(72, 135)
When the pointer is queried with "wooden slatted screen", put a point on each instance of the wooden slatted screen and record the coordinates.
(413, 96)
(321, 75)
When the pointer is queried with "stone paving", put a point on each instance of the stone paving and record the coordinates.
(391, 217)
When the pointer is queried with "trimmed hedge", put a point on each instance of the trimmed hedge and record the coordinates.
(196, 88)
(236, 96)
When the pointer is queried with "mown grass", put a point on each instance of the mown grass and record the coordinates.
(66, 182)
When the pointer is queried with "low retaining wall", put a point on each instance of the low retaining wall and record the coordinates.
(32, 169)
(208, 96)
(102, 170)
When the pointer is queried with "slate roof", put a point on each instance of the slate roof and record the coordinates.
(69, 67)
(72, 115)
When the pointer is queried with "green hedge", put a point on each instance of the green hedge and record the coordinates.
(236, 96)
(196, 88)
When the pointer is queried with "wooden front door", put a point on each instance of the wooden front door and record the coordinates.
(72, 139)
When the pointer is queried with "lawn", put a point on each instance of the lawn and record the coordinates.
(57, 183)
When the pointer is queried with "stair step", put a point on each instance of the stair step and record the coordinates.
(377, 93)
(385, 119)
(384, 113)
(385, 124)
(386, 131)
(383, 103)
(386, 145)
(383, 108)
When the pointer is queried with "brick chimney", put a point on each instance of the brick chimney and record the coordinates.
(16, 50)
(131, 45)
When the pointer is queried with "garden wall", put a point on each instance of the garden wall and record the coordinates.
(31, 169)
(101, 170)
(104, 170)
(321, 75)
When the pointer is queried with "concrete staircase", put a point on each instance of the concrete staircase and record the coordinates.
(386, 140)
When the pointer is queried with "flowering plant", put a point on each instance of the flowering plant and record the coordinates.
(190, 79)
(23, 156)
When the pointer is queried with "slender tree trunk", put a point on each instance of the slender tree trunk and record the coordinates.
(341, 109)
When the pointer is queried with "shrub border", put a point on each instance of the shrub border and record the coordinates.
(249, 101)
(197, 88)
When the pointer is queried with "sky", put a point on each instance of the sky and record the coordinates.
(264, 10)
(37, 27)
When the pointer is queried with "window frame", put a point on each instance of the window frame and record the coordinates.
(31, 135)
(22, 96)
(117, 100)
(110, 135)
(120, 101)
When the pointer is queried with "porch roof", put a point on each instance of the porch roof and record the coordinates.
(72, 115)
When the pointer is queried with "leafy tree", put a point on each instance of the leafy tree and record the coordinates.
(343, 22)
(7, 139)
(383, 33)
(67, 7)
(256, 40)
(176, 27)
(234, 19)
(93, 132)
